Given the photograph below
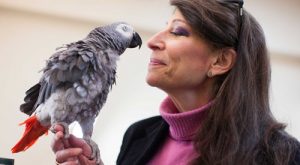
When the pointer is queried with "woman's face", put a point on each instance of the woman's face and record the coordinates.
(180, 59)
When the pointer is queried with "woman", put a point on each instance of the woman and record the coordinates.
(212, 61)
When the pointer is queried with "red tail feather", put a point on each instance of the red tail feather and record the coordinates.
(32, 132)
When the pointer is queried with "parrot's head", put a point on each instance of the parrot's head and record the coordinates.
(118, 36)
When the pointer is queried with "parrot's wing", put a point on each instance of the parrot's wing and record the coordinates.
(63, 69)
(30, 99)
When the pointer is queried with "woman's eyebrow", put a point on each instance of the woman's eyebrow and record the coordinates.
(179, 20)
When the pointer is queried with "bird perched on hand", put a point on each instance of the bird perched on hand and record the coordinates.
(75, 84)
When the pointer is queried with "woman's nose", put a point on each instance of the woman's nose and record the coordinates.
(156, 42)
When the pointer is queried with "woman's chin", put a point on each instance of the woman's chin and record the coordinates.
(152, 80)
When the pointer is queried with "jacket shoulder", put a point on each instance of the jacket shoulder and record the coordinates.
(141, 140)
(296, 160)
(143, 128)
(288, 143)
(144, 124)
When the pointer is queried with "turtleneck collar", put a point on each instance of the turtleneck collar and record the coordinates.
(183, 125)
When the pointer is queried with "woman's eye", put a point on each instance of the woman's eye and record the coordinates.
(180, 32)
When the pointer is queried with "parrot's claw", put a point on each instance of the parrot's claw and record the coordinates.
(64, 125)
(95, 151)
(52, 129)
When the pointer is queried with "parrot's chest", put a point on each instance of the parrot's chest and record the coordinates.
(74, 104)
(80, 100)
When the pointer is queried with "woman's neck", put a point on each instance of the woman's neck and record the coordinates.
(189, 100)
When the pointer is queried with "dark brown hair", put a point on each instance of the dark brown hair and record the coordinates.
(239, 127)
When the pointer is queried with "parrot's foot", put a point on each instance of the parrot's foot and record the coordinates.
(65, 126)
(95, 151)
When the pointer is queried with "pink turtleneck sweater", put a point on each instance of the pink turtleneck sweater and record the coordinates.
(178, 148)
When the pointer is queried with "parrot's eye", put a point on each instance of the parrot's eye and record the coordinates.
(125, 28)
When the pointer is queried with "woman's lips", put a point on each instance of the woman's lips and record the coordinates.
(154, 61)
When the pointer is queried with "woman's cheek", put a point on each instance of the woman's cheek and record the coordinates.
(172, 68)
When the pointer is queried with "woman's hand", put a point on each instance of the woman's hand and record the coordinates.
(71, 151)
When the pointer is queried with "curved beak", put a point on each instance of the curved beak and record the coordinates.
(136, 41)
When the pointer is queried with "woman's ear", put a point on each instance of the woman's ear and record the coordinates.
(223, 61)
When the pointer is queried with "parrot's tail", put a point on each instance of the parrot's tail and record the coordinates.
(32, 132)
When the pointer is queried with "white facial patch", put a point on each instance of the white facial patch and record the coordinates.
(125, 30)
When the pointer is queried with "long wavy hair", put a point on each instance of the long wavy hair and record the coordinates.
(239, 127)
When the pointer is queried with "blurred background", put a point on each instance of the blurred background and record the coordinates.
(30, 30)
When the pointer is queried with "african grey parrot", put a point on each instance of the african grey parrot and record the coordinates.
(75, 83)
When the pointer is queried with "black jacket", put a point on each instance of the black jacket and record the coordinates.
(143, 139)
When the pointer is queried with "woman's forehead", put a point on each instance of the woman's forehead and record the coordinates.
(178, 15)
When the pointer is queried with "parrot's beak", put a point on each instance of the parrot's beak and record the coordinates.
(136, 41)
